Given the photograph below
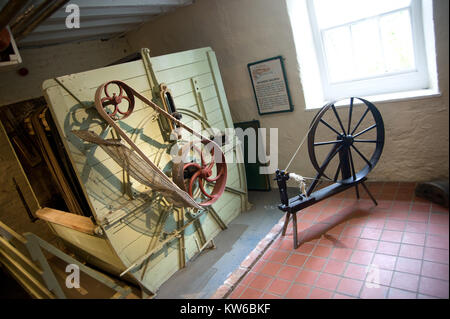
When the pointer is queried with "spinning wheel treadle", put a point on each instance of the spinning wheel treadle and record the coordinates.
(353, 163)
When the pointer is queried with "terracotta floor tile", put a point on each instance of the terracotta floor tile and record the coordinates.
(250, 293)
(437, 242)
(439, 218)
(350, 286)
(307, 277)
(382, 277)
(411, 251)
(435, 270)
(392, 236)
(327, 281)
(361, 257)
(348, 242)
(413, 238)
(279, 256)
(352, 231)
(279, 286)
(268, 254)
(401, 294)
(318, 293)
(384, 261)
(418, 217)
(371, 233)
(434, 287)
(270, 268)
(366, 244)
(298, 291)
(395, 225)
(435, 229)
(335, 267)
(267, 295)
(260, 282)
(287, 272)
(259, 265)
(337, 230)
(409, 265)
(321, 251)
(296, 260)
(356, 271)
(421, 207)
(388, 248)
(415, 227)
(405, 281)
(371, 292)
(401, 215)
(436, 254)
(305, 248)
(343, 254)
(339, 296)
(315, 263)
(248, 278)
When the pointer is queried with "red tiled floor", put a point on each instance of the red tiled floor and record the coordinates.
(327, 281)
(397, 250)
(279, 286)
(307, 277)
(335, 267)
(350, 286)
(298, 291)
(318, 293)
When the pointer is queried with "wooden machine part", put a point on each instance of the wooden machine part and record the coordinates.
(151, 216)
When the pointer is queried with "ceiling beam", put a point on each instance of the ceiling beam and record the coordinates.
(97, 23)
(129, 3)
(75, 33)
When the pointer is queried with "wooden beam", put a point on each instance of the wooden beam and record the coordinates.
(73, 221)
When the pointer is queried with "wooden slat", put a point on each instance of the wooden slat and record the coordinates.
(73, 221)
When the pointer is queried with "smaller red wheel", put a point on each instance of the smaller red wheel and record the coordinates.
(115, 100)
(193, 172)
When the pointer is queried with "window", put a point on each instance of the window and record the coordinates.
(363, 47)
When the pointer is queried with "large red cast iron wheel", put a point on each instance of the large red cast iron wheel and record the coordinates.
(191, 173)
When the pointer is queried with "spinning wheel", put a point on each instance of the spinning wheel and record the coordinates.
(198, 166)
(353, 151)
(350, 141)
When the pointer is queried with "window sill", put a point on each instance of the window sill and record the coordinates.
(391, 97)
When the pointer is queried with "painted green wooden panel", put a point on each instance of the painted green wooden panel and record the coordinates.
(129, 224)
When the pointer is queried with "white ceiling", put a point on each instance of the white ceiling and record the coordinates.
(99, 19)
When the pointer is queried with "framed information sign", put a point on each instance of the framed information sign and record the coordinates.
(270, 86)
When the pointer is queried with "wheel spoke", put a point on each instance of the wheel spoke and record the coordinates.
(365, 141)
(359, 122)
(364, 131)
(350, 111)
(352, 164)
(327, 143)
(339, 119)
(204, 192)
(337, 172)
(362, 156)
(329, 126)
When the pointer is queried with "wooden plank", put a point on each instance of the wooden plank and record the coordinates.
(77, 222)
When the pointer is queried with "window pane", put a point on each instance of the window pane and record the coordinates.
(397, 41)
(339, 56)
(331, 13)
(368, 49)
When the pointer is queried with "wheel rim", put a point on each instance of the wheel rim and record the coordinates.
(346, 135)
(191, 176)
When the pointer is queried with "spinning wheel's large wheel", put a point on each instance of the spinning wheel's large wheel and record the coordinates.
(354, 146)
(199, 173)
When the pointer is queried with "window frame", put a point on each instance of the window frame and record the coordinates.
(402, 81)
